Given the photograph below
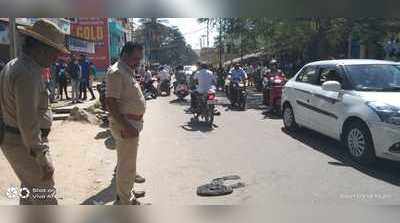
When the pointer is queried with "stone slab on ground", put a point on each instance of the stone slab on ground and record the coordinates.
(60, 117)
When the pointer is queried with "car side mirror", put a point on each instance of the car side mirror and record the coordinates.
(331, 86)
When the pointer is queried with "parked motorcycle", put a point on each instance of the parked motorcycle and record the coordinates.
(272, 93)
(205, 107)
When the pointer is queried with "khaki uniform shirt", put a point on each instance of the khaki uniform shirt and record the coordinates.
(122, 85)
(24, 99)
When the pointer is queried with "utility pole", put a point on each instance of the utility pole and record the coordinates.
(349, 45)
(13, 38)
(220, 43)
(208, 33)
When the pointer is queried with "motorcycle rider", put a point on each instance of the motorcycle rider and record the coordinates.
(273, 69)
(180, 77)
(271, 72)
(163, 76)
(237, 75)
(147, 78)
(205, 80)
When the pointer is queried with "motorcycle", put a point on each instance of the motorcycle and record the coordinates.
(150, 89)
(181, 91)
(165, 86)
(205, 107)
(273, 86)
(238, 94)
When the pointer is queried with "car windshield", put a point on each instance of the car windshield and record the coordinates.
(374, 77)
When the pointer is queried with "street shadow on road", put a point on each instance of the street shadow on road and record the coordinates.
(195, 126)
(271, 115)
(254, 100)
(183, 102)
(385, 170)
(104, 196)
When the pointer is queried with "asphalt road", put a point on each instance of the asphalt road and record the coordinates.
(176, 156)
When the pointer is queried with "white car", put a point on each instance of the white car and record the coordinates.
(354, 101)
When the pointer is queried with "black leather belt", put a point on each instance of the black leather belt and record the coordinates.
(12, 130)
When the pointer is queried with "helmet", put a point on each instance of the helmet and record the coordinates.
(203, 65)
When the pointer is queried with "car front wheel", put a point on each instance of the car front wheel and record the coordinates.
(289, 120)
(358, 141)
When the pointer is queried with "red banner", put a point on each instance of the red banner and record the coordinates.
(94, 30)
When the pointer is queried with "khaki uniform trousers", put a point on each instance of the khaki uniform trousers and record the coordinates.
(126, 164)
(28, 172)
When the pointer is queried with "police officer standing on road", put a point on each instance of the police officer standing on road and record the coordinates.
(24, 102)
(127, 106)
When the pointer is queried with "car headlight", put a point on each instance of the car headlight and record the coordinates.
(387, 113)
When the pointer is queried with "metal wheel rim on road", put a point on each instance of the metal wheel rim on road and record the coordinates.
(288, 117)
(356, 141)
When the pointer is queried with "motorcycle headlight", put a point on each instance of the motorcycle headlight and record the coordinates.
(387, 113)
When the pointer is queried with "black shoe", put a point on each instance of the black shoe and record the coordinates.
(139, 179)
(139, 194)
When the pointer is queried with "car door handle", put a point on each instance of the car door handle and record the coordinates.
(308, 100)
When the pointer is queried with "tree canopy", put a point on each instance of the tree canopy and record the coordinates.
(164, 44)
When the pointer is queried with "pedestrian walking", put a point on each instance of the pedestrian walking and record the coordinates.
(74, 72)
(92, 77)
(62, 80)
(53, 83)
(24, 100)
(46, 78)
(85, 67)
(126, 104)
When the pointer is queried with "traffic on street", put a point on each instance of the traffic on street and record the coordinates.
(311, 119)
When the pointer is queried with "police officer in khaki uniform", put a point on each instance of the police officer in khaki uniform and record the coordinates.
(127, 106)
(24, 102)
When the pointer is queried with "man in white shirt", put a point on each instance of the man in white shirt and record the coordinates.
(205, 80)
(163, 75)
(147, 77)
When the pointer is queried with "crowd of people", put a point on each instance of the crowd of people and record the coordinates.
(77, 73)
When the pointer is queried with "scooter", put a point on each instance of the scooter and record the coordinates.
(273, 86)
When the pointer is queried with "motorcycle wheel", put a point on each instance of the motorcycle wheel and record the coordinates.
(210, 116)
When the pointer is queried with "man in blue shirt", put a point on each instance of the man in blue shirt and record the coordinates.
(238, 74)
(85, 66)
